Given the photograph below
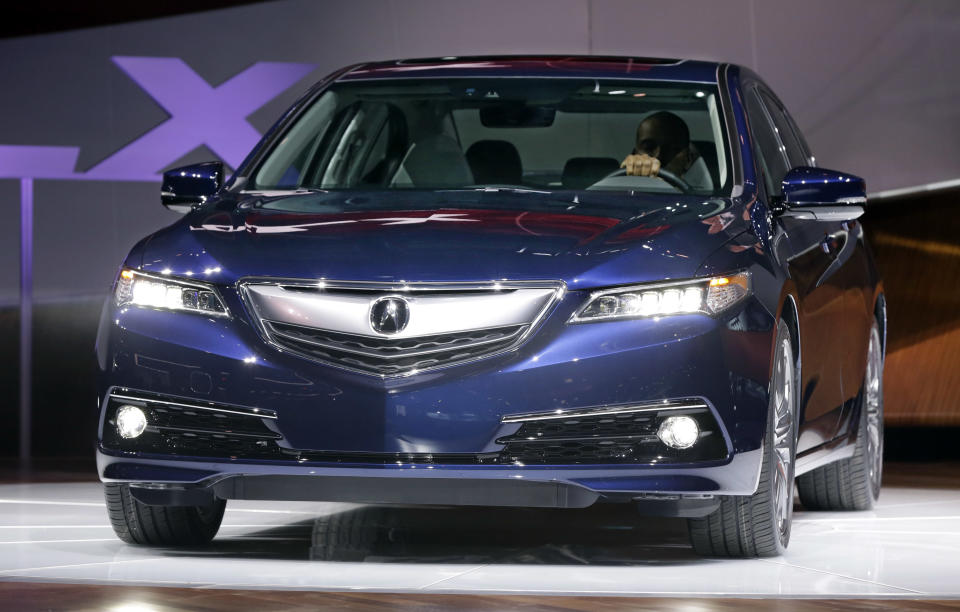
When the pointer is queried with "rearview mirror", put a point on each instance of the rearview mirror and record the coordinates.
(517, 115)
(185, 187)
(821, 194)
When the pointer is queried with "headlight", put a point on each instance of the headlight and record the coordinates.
(141, 289)
(708, 295)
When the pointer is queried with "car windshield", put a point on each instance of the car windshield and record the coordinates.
(514, 133)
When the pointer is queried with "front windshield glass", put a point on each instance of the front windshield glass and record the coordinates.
(515, 133)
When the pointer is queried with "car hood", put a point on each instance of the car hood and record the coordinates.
(583, 238)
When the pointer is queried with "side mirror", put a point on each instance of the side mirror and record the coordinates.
(185, 187)
(822, 195)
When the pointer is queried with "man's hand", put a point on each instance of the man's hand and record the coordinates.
(641, 165)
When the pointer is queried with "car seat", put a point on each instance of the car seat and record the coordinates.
(495, 162)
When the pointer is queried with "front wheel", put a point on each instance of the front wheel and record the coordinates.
(137, 523)
(758, 525)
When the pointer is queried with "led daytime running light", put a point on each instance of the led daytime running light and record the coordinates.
(137, 289)
(707, 296)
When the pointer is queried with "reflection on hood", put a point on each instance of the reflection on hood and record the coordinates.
(535, 213)
(582, 228)
(581, 238)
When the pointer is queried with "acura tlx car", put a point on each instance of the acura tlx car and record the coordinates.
(538, 282)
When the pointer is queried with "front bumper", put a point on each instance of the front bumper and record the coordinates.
(675, 491)
(459, 411)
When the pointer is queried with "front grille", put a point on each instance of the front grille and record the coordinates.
(625, 436)
(387, 356)
(332, 322)
(623, 424)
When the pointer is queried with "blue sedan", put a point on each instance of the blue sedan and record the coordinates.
(504, 281)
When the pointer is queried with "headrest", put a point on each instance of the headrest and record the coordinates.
(495, 162)
(437, 161)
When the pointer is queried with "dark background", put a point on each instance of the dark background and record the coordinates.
(873, 84)
(27, 18)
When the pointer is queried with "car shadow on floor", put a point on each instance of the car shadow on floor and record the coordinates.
(613, 534)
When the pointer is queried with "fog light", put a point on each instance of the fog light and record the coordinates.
(131, 421)
(679, 432)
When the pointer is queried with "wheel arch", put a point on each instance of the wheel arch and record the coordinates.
(788, 311)
(880, 314)
(790, 314)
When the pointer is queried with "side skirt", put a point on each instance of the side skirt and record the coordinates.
(834, 450)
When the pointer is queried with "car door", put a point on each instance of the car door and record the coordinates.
(848, 271)
(813, 246)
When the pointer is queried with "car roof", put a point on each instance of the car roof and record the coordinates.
(581, 66)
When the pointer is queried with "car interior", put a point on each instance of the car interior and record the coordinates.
(437, 136)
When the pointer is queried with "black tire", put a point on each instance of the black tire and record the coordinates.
(352, 535)
(758, 525)
(854, 483)
(137, 523)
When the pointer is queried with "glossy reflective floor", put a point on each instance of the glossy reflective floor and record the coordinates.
(908, 548)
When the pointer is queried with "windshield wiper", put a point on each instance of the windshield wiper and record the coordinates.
(282, 191)
(499, 189)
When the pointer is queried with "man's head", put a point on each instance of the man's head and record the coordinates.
(662, 135)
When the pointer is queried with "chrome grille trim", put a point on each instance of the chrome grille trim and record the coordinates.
(146, 397)
(393, 364)
(389, 352)
(604, 411)
(528, 440)
(451, 315)
(434, 309)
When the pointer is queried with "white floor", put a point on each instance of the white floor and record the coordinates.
(908, 547)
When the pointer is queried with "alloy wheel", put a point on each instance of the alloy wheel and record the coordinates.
(873, 404)
(783, 398)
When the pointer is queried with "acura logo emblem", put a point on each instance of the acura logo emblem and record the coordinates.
(389, 315)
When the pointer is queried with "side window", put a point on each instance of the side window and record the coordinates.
(795, 149)
(366, 142)
(766, 145)
(286, 167)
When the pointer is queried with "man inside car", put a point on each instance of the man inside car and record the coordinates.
(663, 142)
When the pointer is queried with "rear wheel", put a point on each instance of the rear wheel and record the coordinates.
(758, 525)
(137, 523)
(350, 535)
(854, 483)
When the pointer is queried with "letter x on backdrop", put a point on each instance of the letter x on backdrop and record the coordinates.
(199, 115)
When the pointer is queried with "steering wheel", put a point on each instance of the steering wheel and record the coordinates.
(666, 175)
